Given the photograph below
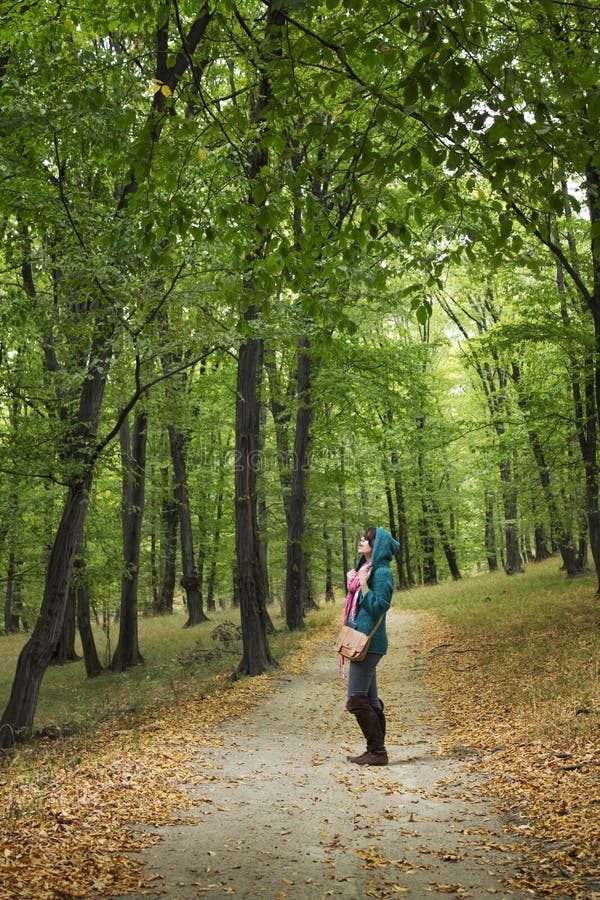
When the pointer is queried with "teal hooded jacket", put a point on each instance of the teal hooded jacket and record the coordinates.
(378, 598)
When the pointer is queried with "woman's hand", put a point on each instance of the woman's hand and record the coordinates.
(350, 575)
(364, 576)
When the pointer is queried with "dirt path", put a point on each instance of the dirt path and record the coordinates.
(281, 814)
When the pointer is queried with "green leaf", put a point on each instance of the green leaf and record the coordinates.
(567, 88)
(162, 15)
(412, 160)
(422, 315)
(259, 193)
(411, 91)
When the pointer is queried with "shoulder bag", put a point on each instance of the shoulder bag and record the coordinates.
(353, 644)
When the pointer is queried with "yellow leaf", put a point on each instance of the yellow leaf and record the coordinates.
(202, 154)
(165, 90)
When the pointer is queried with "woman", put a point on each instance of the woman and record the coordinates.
(370, 589)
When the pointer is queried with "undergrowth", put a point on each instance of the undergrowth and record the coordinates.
(178, 661)
(530, 641)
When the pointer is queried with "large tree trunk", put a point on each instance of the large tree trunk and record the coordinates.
(297, 570)
(249, 573)
(189, 580)
(35, 656)
(133, 462)
(65, 652)
(249, 576)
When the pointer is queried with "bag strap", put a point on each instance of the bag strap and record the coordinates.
(377, 624)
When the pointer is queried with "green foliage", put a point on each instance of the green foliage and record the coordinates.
(407, 164)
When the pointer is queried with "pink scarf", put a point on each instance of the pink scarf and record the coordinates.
(350, 606)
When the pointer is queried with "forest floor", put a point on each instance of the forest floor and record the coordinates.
(245, 790)
(277, 812)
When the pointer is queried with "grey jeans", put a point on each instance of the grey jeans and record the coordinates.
(362, 678)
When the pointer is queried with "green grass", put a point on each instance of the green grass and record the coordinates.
(178, 662)
(534, 636)
(517, 606)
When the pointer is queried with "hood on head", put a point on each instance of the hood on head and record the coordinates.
(385, 548)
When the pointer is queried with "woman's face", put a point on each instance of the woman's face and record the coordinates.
(364, 547)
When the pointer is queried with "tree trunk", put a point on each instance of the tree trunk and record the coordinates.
(449, 551)
(308, 597)
(296, 563)
(490, 533)
(133, 462)
(154, 566)
(582, 552)
(541, 544)
(263, 547)
(404, 551)
(558, 517)
(189, 580)
(429, 567)
(64, 651)
(80, 452)
(249, 573)
(585, 421)
(79, 585)
(35, 656)
(591, 469)
(428, 550)
(249, 576)
(513, 564)
(168, 546)
(344, 527)
(394, 533)
(212, 576)
(329, 592)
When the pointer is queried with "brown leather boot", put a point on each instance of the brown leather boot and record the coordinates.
(381, 716)
(369, 721)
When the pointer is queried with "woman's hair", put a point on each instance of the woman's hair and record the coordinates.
(370, 533)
